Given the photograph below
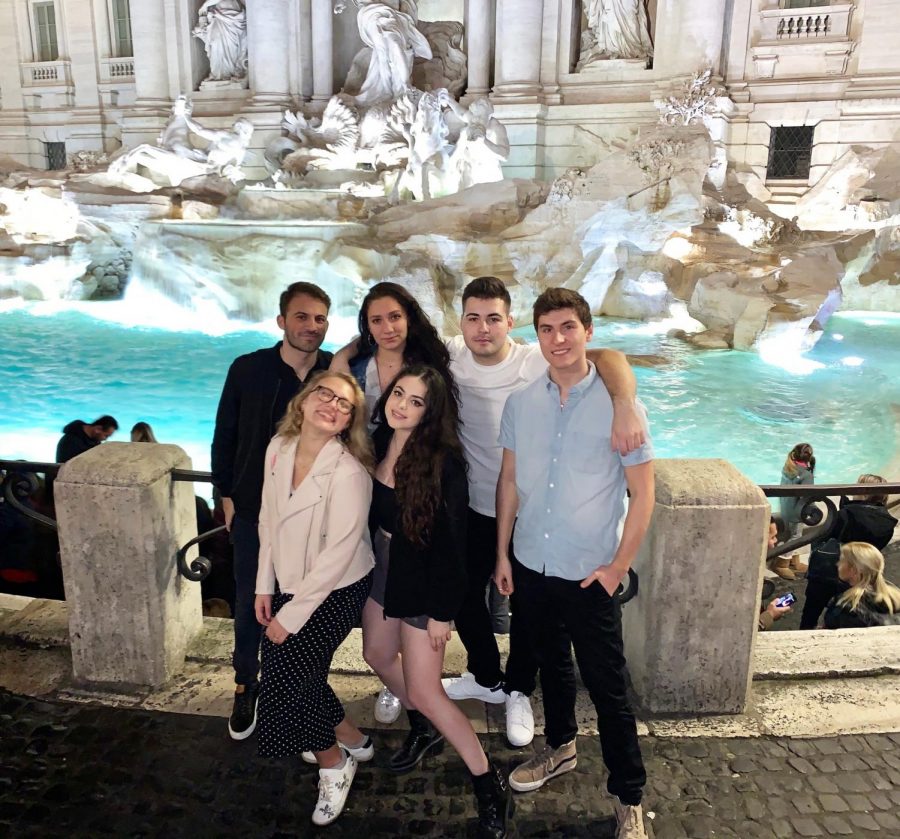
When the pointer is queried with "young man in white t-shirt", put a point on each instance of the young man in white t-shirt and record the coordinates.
(488, 366)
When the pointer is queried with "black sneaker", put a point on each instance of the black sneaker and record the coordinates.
(243, 715)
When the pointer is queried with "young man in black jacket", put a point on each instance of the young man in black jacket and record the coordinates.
(257, 390)
(80, 436)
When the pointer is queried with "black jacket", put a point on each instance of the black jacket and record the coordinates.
(432, 580)
(73, 442)
(864, 616)
(258, 386)
(856, 521)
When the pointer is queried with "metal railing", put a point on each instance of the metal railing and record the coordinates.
(20, 482)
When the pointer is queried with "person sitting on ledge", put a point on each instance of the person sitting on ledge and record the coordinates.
(870, 600)
(79, 436)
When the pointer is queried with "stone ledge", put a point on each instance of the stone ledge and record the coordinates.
(827, 653)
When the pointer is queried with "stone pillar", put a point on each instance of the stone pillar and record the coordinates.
(268, 46)
(479, 19)
(689, 633)
(121, 522)
(151, 72)
(517, 71)
(689, 36)
(322, 50)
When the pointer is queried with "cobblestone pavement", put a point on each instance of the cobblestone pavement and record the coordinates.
(76, 770)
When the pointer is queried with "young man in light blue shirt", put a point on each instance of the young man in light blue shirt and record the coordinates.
(567, 485)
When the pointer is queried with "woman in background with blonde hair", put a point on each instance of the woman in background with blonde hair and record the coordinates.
(141, 432)
(870, 600)
(315, 563)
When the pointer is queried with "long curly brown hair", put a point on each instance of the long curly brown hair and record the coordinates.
(420, 466)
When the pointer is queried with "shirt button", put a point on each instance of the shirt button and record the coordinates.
(546, 535)
(548, 509)
(559, 435)
(551, 486)
(554, 460)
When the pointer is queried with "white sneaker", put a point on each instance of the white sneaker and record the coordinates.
(361, 754)
(334, 785)
(387, 707)
(465, 687)
(519, 719)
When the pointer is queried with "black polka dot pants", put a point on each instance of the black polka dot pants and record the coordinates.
(297, 709)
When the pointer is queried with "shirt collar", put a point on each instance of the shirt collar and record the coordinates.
(577, 390)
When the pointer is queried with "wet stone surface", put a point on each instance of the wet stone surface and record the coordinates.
(78, 771)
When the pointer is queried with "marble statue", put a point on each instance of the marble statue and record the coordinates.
(175, 137)
(389, 31)
(427, 136)
(482, 146)
(617, 29)
(448, 66)
(174, 159)
(222, 26)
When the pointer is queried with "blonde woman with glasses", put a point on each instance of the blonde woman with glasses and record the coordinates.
(315, 564)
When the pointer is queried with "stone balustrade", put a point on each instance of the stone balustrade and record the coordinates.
(814, 23)
(37, 73)
(116, 70)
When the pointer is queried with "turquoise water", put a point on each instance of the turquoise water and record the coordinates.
(66, 364)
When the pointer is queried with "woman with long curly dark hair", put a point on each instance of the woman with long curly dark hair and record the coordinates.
(418, 521)
(394, 333)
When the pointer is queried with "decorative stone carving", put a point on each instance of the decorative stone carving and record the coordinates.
(615, 29)
(84, 161)
(483, 143)
(448, 67)
(222, 26)
(174, 159)
(393, 41)
(693, 103)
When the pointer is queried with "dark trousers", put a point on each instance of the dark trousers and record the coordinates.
(245, 658)
(549, 607)
(818, 594)
(473, 620)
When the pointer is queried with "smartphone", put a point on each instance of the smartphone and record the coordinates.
(785, 600)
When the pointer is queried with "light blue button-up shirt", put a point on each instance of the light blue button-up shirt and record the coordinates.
(571, 484)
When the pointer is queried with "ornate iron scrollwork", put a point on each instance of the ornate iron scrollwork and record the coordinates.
(200, 567)
(19, 486)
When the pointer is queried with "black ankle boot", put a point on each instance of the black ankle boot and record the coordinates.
(495, 804)
(423, 739)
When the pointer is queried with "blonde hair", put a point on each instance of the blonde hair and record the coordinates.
(868, 563)
(355, 436)
(872, 499)
(141, 432)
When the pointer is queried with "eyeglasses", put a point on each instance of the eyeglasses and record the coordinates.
(326, 395)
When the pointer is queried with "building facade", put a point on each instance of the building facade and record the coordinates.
(801, 80)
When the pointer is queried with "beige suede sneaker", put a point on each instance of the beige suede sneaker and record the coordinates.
(546, 764)
(630, 820)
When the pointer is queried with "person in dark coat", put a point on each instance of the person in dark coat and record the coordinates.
(870, 600)
(256, 393)
(79, 436)
(418, 518)
(861, 518)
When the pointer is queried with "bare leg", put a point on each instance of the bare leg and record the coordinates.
(381, 649)
(422, 668)
(347, 733)
(330, 757)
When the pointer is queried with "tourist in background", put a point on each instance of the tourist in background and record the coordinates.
(419, 506)
(315, 564)
(79, 436)
(799, 469)
(870, 600)
(256, 393)
(141, 432)
(861, 518)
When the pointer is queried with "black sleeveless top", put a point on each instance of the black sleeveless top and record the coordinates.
(384, 508)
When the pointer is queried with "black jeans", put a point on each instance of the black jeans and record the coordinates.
(247, 631)
(818, 593)
(550, 606)
(473, 620)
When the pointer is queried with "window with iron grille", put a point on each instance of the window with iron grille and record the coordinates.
(121, 28)
(45, 32)
(790, 152)
(56, 155)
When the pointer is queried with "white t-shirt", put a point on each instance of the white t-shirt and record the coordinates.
(483, 391)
